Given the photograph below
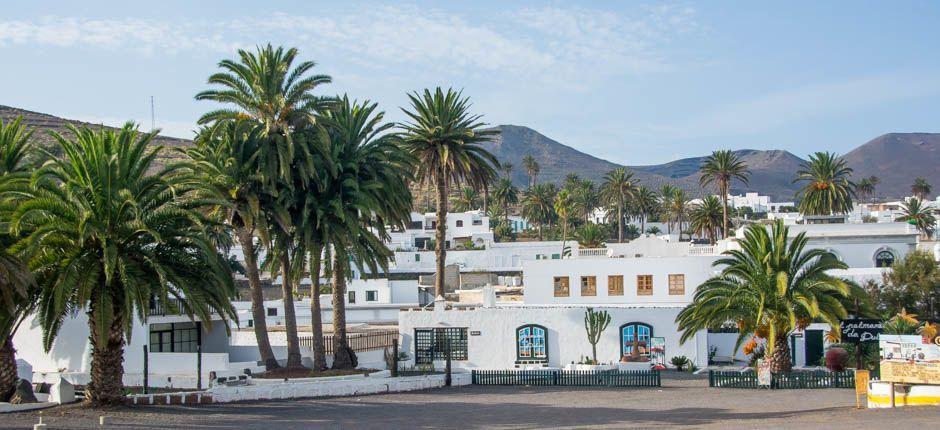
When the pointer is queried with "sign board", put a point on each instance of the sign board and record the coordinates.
(764, 376)
(908, 359)
(861, 330)
(474, 332)
(658, 350)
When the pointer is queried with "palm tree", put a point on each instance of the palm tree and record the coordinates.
(16, 282)
(467, 200)
(921, 188)
(666, 191)
(645, 204)
(769, 287)
(538, 205)
(675, 207)
(445, 139)
(618, 188)
(266, 87)
(591, 236)
(720, 168)
(919, 215)
(366, 194)
(706, 218)
(106, 232)
(585, 198)
(531, 168)
(828, 189)
(506, 194)
(865, 187)
(223, 158)
(507, 169)
(564, 207)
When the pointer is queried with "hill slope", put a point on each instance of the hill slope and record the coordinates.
(896, 159)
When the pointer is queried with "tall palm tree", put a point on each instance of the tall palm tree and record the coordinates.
(585, 198)
(828, 189)
(506, 194)
(919, 215)
(264, 85)
(17, 286)
(538, 205)
(223, 158)
(720, 168)
(507, 169)
(921, 188)
(706, 218)
(532, 168)
(619, 188)
(445, 138)
(564, 209)
(467, 199)
(865, 188)
(366, 194)
(676, 207)
(106, 232)
(644, 204)
(666, 191)
(769, 287)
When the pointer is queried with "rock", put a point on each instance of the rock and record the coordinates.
(23, 393)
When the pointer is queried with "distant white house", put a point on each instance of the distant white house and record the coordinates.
(462, 227)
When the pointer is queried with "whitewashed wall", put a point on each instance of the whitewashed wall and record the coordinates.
(495, 346)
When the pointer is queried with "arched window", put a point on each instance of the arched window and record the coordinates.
(884, 258)
(635, 333)
(459, 223)
(532, 343)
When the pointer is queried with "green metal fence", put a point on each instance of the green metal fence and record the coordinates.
(782, 380)
(581, 378)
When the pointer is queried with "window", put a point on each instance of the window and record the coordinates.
(251, 323)
(431, 344)
(372, 296)
(352, 296)
(884, 258)
(561, 286)
(615, 285)
(644, 285)
(635, 334)
(531, 343)
(417, 258)
(459, 223)
(415, 225)
(588, 286)
(477, 222)
(556, 256)
(272, 312)
(176, 337)
(676, 285)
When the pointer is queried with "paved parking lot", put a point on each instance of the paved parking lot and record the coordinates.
(680, 403)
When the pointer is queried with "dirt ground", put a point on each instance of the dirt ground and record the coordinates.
(680, 403)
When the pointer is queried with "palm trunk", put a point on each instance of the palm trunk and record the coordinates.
(440, 236)
(316, 318)
(343, 356)
(780, 358)
(724, 211)
(290, 319)
(540, 232)
(106, 387)
(8, 375)
(619, 224)
(642, 223)
(486, 195)
(246, 240)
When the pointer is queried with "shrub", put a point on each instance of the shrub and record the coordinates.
(680, 361)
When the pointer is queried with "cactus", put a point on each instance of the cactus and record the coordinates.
(595, 323)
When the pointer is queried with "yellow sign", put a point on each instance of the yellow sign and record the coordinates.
(861, 386)
(910, 373)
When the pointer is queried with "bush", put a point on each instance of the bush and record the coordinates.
(836, 358)
(679, 361)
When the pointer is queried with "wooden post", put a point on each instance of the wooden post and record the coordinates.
(447, 380)
(146, 368)
(394, 357)
(199, 367)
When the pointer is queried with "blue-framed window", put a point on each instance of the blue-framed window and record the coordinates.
(532, 342)
(635, 332)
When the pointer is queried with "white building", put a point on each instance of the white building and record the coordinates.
(462, 227)
(757, 203)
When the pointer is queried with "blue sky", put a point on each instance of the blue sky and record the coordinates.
(632, 82)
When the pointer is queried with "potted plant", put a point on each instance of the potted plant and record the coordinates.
(635, 361)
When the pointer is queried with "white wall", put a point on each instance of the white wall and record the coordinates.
(497, 257)
(495, 347)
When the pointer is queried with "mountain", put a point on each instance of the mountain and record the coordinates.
(896, 159)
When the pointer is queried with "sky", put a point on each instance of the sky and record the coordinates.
(632, 82)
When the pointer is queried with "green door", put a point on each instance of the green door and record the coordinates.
(814, 347)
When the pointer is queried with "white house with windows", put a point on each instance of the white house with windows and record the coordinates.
(462, 227)
(757, 203)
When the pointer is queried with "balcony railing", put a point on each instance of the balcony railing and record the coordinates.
(170, 307)
(593, 253)
(702, 250)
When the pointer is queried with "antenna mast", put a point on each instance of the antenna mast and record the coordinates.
(153, 124)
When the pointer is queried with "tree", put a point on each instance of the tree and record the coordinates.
(445, 139)
(706, 218)
(564, 206)
(467, 200)
(921, 188)
(531, 168)
(506, 194)
(507, 169)
(366, 193)
(538, 205)
(17, 286)
(223, 159)
(591, 236)
(913, 284)
(105, 231)
(666, 192)
(585, 198)
(769, 287)
(919, 215)
(720, 168)
(865, 187)
(594, 324)
(828, 189)
(644, 204)
(619, 188)
(676, 207)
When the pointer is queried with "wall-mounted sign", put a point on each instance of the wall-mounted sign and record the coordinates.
(474, 332)
(861, 330)
(909, 359)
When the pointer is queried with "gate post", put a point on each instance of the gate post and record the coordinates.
(394, 357)
(146, 368)
(447, 380)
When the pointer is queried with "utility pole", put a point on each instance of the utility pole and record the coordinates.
(153, 123)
